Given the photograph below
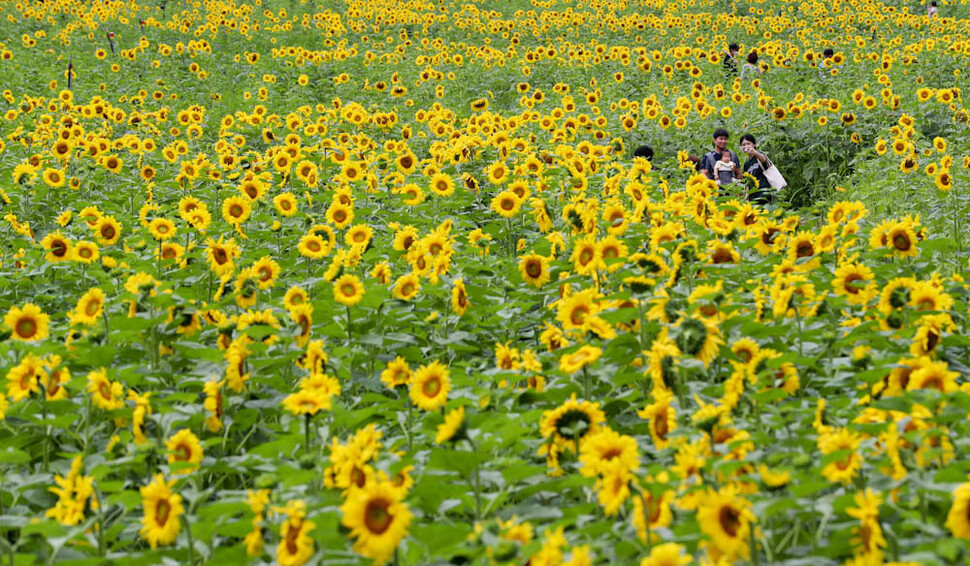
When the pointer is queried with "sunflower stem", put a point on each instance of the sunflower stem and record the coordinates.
(755, 559)
(188, 535)
(349, 328)
(643, 326)
(104, 317)
(477, 483)
(102, 546)
(407, 435)
(306, 431)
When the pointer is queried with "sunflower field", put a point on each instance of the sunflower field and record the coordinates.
(382, 282)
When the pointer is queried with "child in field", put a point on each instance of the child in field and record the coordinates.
(725, 171)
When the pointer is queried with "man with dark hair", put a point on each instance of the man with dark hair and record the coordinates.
(721, 137)
(826, 56)
(644, 151)
(730, 57)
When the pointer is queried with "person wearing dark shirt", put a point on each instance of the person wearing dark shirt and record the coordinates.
(730, 59)
(721, 138)
(755, 166)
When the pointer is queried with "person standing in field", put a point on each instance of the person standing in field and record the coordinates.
(751, 68)
(730, 59)
(710, 158)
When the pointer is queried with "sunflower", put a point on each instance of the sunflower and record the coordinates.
(662, 417)
(397, 373)
(841, 440)
(407, 287)
(285, 204)
(451, 429)
(340, 215)
(302, 315)
(296, 546)
(24, 378)
(359, 235)
(944, 180)
(236, 209)
(613, 488)
(459, 297)
(53, 178)
(507, 204)
(442, 185)
(220, 254)
(352, 171)
(184, 446)
(902, 238)
(312, 246)
(89, 307)
(58, 247)
(498, 173)
(534, 269)
(933, 375)
(86, 252)
(586, 256)
(106, 394)
(266, 271)
(348, 290)
(307, 402)
(575, 309)
(28, 323)
(667, 554)
(430, 386)
(958, 519)
(605, 449)
(851, 282)
(726, 518)
(908, 164)
(162, 229)
(802, 245)
(571, 422)
(377, 519)
(699, 338)
(160, 525)
(585, 355)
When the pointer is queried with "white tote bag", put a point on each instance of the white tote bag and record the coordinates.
(774, 176)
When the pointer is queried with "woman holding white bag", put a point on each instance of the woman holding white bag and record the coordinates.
(761, 168)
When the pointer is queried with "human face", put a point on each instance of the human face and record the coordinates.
(747, 146)
(721, 142)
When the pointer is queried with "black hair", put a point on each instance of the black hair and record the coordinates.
(734, 47)
(933, 3)
(749, 138)
(644, 151)
(721, 132)
(829, 53)
(753, 57)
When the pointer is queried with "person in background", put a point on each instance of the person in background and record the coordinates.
(730, 59)
(755, 166)
(931, 10)
(826, 56)
(721, 138)
(644, 151)
(751, 68)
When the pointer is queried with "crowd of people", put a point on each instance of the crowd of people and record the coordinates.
(723, 166)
